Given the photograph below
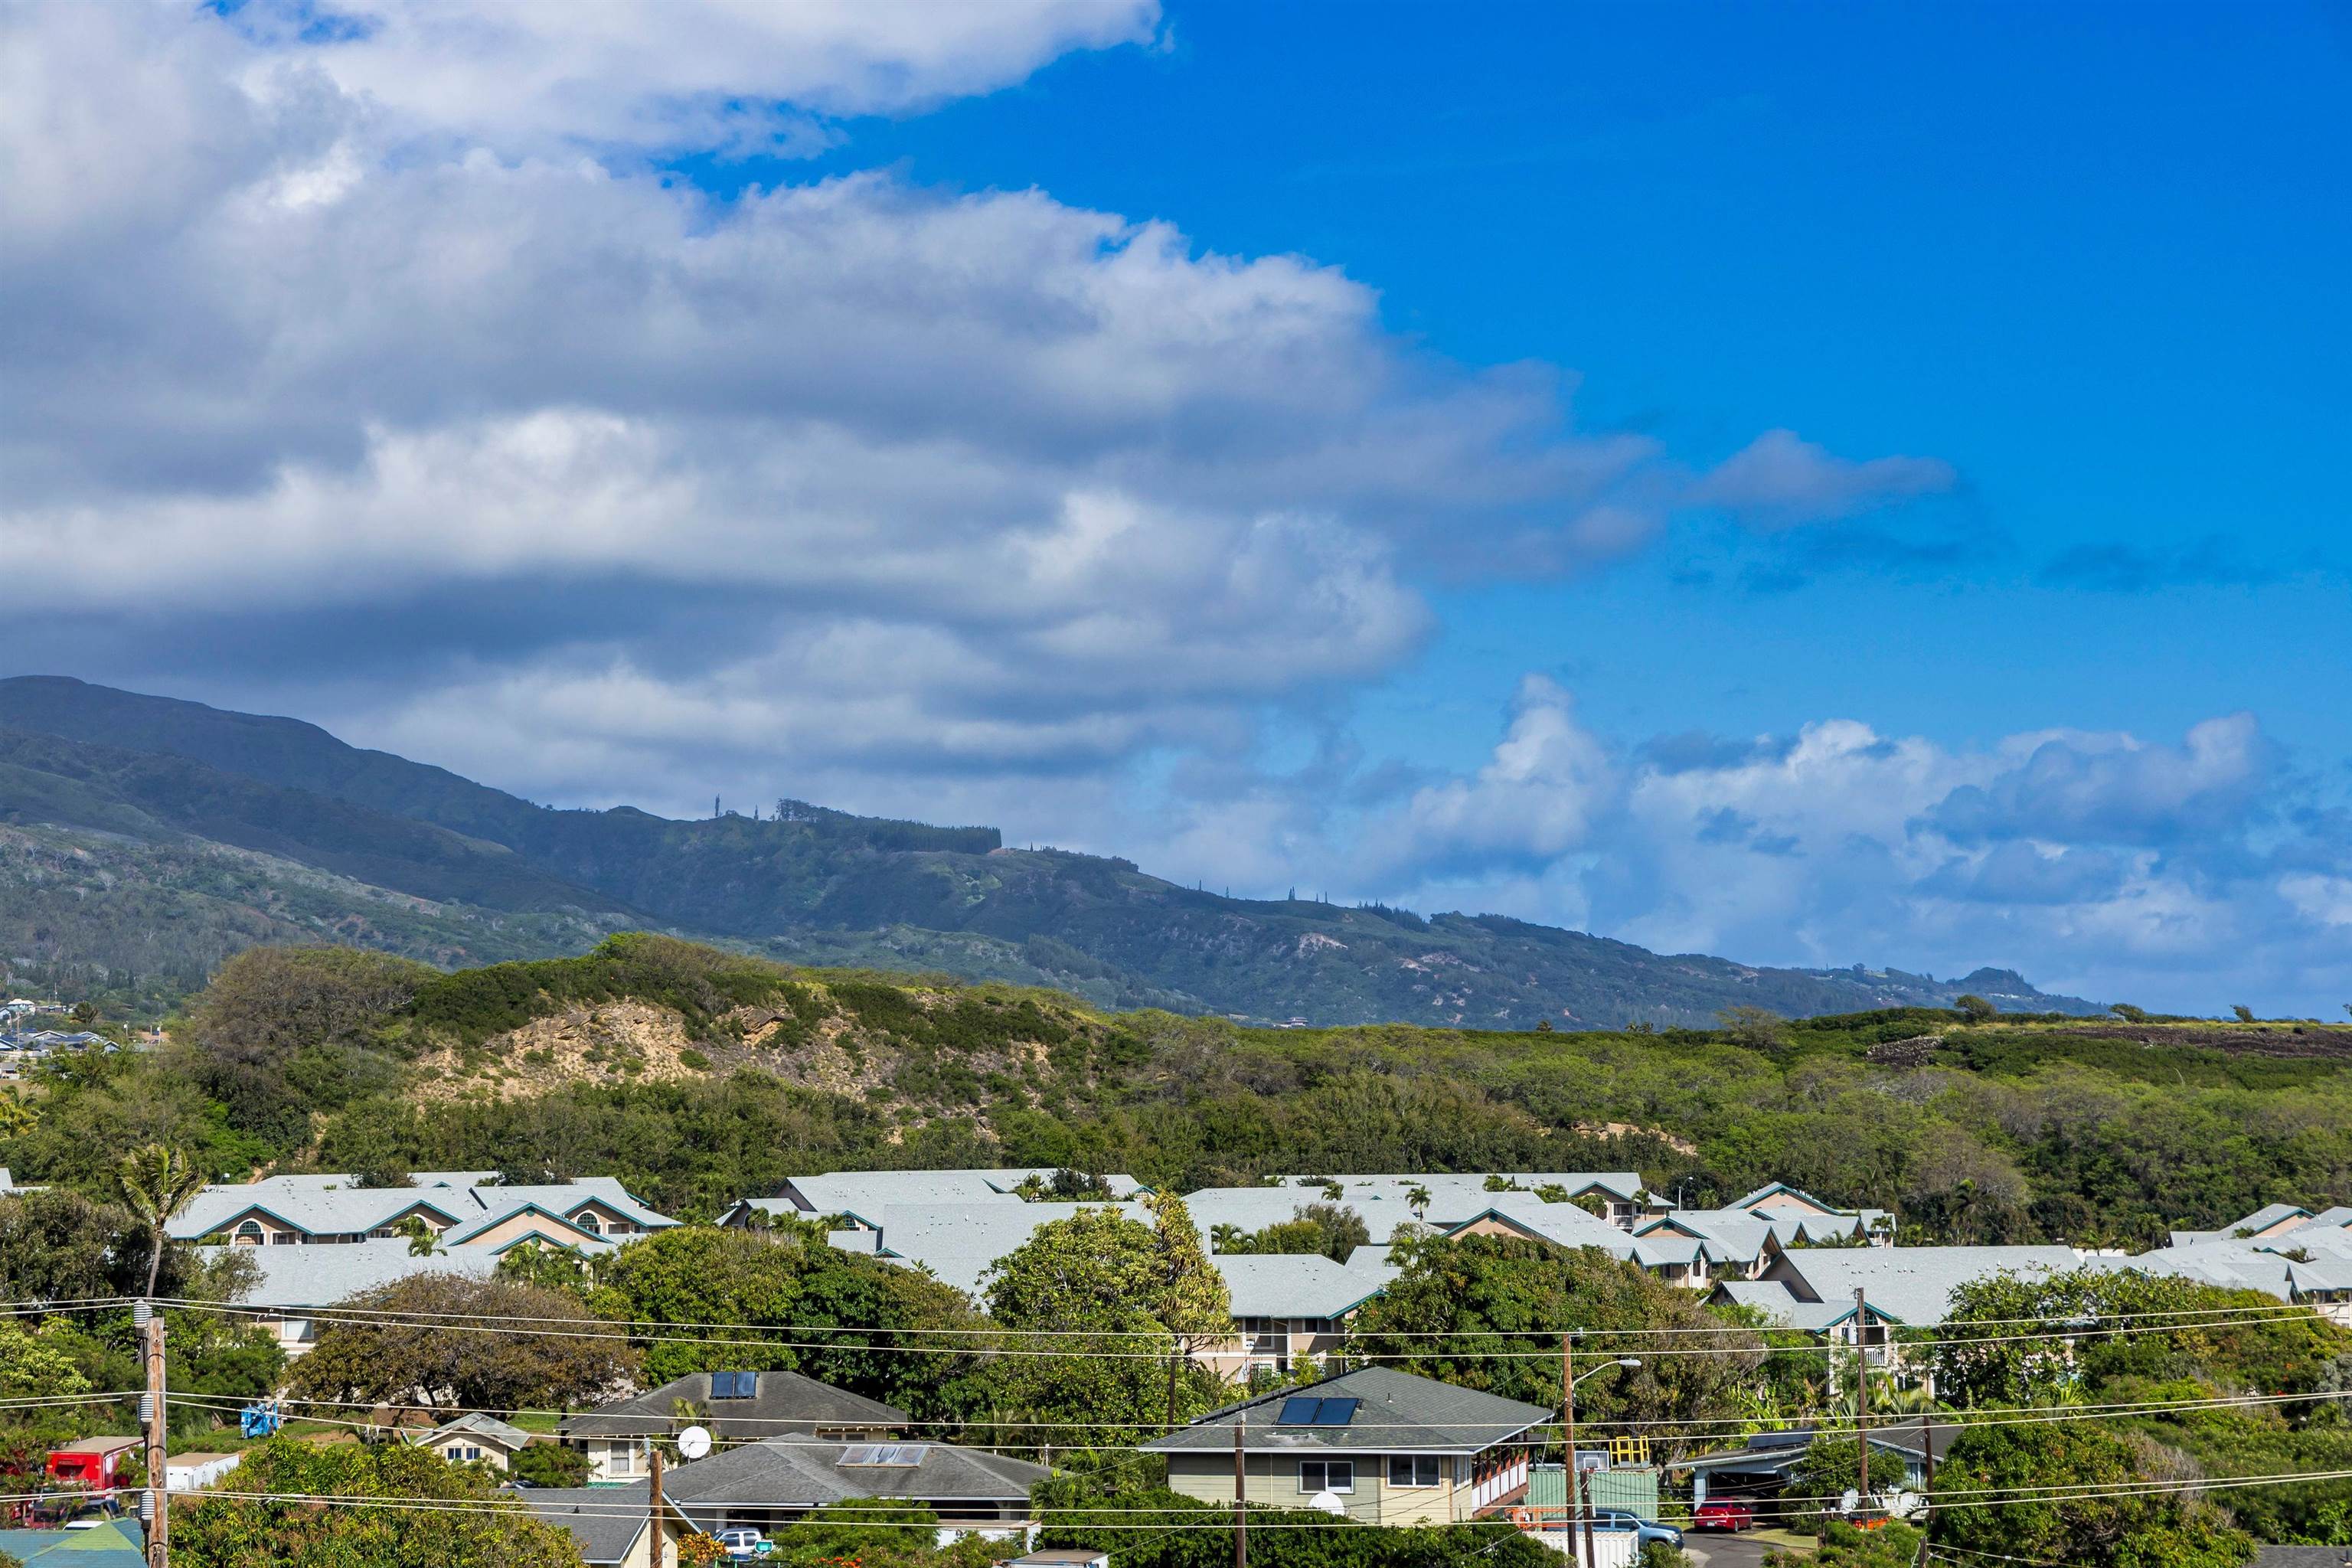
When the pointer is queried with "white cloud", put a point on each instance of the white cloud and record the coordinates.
(2115, 866)
(739, 75)
(1779, 480)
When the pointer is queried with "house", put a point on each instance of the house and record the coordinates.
(859, 1195)
(1386, 1202)
(1812, 1288)
(1680, 1259)
(611, 1525)
(294, 1285)
(460, 1208)
(775, 1480)
(477, 1439)
(92, 1462)
(1059, 1557)
(2310, 1265)
(1287, 1306)
(736, 1407)
(197, 1472)
(1391, 1449)
(116, 1544)
(1762, 1466)
(1806, 1220)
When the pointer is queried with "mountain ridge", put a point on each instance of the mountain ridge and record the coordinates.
(824, 886)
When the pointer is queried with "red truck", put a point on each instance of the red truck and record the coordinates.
(92, 1462)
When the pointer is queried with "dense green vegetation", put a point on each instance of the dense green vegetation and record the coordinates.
(811, 885)
(1998, 1131)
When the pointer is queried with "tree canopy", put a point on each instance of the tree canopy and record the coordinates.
(490, 1530)
(434, 1351)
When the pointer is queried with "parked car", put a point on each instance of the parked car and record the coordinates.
(1644, 1531)
(1724, 1513)
(744, 1545)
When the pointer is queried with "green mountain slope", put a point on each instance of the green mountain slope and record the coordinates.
(816, 884)
(700, 1077)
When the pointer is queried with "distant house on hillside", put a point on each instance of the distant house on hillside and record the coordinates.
(461, 1208)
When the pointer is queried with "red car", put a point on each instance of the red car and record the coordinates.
(1726, 1514)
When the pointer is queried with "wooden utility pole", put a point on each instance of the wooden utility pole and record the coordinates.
(661, 1548)
(1570, 1488)
(159, 1478)
(1926, 1449)
(1861, 1405)
(1241, 1480)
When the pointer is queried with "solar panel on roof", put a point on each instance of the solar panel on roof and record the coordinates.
(1299, 1410)
(1336, 1412)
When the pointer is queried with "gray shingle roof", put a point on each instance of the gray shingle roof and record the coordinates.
(297, 1277)
(604, 1521)
(807, 1472)
(1400, 1412)
(1912, 1285)
(782, 1402)
(859, 1193)
(476, 1424)
(1299, 1285)
(338, 1205)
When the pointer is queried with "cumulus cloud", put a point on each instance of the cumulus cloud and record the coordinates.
(1781, 480)
(2116, 866)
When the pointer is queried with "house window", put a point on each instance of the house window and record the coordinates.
(464, 1455)
(1327, 1475)
(248, 1234)
(1413, 1470)
(284, 1237)
(624, 1459)
(587, 1222)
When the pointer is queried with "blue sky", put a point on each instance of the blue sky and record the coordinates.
(1820, 485)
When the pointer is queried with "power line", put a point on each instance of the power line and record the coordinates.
(603, 1329)
(2051, 1324)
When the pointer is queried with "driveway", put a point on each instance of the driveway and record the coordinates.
(1724, 1551)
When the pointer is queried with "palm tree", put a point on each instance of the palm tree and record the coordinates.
(156, 1184)
(1417, 1196)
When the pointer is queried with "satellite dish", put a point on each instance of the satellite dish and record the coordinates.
(1327, 1502)
(694, 1442)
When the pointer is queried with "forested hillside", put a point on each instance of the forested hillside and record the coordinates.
(700, 1077)
(806, 884)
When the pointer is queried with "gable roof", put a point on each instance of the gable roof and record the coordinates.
(1398, 1411)
(476, 1424)
(116, 1544)
(810, 1472)
(338, 1205)
(604, 1521)
(783, 1402)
